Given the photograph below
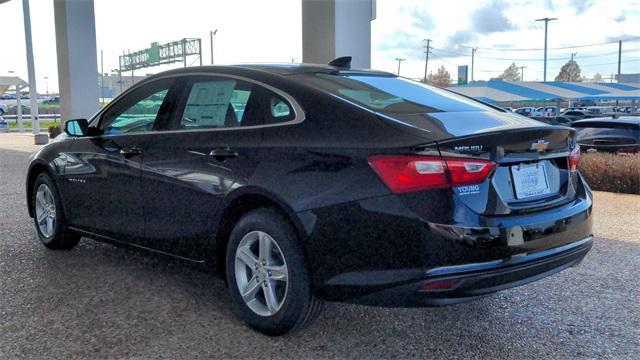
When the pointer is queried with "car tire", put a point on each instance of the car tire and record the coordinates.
(48, 215)
(290, 309)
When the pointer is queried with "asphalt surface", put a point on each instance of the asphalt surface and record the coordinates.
(99, 301)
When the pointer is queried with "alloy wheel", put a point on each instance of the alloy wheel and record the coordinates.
(261, 273)
(45, 210)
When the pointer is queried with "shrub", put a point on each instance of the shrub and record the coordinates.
(609, 172)
(54, 130)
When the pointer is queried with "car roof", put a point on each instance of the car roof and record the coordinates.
(634, 120)
(284, 69)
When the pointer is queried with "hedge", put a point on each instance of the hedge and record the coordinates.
(609, 172)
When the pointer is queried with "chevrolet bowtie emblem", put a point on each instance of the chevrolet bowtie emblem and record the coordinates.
(540, 145)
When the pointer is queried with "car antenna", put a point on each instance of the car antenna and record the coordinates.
(341, 62)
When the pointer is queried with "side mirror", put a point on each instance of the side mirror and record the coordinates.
(76, 127)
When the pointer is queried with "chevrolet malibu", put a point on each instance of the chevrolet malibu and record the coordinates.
(308, 183)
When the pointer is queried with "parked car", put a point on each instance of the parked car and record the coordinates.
(617, 135)
(52, 100)
(554, 120)
(507, 108)
(545, 111)
(574, 115)
(3, 109)
(333, 184)
(525, 111)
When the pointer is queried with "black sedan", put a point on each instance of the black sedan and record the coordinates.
(309, 183)
(612, 135)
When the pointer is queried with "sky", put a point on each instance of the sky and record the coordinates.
(271, 31)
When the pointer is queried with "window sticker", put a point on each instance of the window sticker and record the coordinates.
(208, 103)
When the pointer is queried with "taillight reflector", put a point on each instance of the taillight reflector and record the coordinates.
(574, 158)
(405, 173)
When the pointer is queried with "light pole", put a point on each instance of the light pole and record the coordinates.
(399, 60)
(211, 35)
(570, 69)
(522, 72)
(46, 81)
(546, 25)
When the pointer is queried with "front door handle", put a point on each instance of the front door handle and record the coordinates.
(223, 153)
(129, 152)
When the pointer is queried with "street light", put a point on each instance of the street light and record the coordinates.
(211, 35)
(46, 80)
(546, 23)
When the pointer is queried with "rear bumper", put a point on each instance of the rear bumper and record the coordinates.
(379, 255)
(471, 281)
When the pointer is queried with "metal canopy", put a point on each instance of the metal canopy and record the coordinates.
(497, 91)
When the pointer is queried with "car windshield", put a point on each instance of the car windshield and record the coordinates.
(388, 94)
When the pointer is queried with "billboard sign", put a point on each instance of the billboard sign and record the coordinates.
(463, 74)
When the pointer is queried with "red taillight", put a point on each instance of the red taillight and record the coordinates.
(574, 158)
(404, 173)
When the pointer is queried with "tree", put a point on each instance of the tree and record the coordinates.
(512, 73)
(597, 78)
(442, 77)
(569, 72)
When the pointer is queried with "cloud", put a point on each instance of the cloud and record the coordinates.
(421, 19)
(623, 38)
(461, 37)
(491, 19)
(581, 5)
(620, 18)
(548, 4)
(398, 40)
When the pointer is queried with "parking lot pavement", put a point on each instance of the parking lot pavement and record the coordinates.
(99, 301)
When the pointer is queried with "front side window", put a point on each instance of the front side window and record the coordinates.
(138, 111)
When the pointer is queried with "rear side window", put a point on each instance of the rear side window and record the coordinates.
(394, 94)
(219, 102)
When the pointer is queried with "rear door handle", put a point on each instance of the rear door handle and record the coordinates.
(223, 153)
(128, 152)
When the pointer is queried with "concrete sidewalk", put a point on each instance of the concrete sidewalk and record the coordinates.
(18, 142)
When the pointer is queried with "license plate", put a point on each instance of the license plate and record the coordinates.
(529, 180)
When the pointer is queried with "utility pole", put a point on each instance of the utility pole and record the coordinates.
(522, 72)
(399, 60)
(426, 59)
(473, 55)
(546, 24)
(619, 59)
(572, 56)
(46, 80)
(101, 76)
(211, 35)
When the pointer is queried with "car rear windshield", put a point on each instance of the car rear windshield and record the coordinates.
(396, 95)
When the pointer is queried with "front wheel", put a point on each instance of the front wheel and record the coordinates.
(49, 217)
(266, 273)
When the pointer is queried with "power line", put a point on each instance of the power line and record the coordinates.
(555, 48)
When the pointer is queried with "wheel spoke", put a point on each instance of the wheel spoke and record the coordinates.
(40, 199)
(277, 272)
(249, 291)
(264, 247)
(270, 297)
(49, 225)
(41, 217)
(247, 257)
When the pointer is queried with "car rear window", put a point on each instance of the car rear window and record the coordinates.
(397, 95)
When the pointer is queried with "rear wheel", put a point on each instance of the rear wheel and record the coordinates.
(266, 274)
(49, 217)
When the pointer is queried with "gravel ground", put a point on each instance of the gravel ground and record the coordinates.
(98, 301)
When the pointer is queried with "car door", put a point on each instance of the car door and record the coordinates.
(103, 171)
(214, 148)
